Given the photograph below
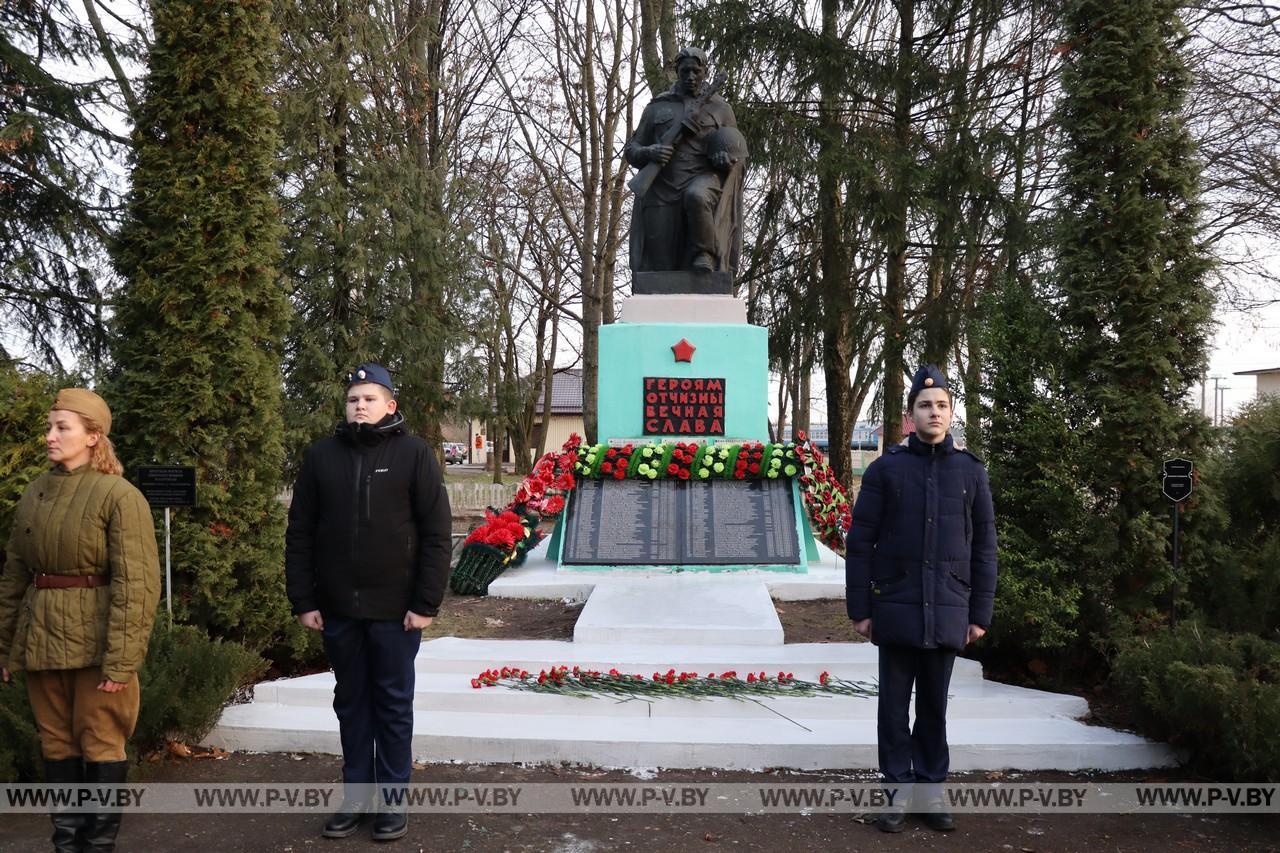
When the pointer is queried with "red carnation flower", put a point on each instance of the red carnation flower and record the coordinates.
(611, 452)
(684, 474)
(620, 474)
(606, 467)
(754, 468)
(672, 469)
(740, 474)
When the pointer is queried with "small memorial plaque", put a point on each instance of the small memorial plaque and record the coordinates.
(167, 485)
(671, 523)
(683, 406)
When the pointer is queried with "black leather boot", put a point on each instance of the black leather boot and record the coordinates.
(67, 825)
(391, 823)
(346, 820)
(99, 835)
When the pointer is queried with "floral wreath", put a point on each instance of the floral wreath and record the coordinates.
(507, 535)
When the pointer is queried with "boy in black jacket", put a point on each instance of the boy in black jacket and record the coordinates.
(920, 575)
(366, 562)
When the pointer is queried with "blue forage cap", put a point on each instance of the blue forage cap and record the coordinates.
(928, 376)
(373, 372)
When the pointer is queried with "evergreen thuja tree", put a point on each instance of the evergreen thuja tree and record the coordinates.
(196, 349)
(1135, 311)
(1032, 462)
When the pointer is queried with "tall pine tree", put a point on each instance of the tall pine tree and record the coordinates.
(57, 204)
(196, 375)
(1136, 311)
(369, 251)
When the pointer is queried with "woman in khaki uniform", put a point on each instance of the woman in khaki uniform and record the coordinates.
(77, 601)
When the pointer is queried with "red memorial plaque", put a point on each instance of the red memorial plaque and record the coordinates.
(683, 406)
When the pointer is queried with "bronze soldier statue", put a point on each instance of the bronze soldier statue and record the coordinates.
(690, 216)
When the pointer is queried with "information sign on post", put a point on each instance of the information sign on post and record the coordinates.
(1176, 482)
(166, 486)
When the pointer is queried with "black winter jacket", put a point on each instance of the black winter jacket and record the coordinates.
(920, 557)
(369, 526)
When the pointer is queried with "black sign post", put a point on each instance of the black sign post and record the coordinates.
(1176, 482)
(167, 486)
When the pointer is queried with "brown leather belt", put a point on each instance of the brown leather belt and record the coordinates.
(71, 581)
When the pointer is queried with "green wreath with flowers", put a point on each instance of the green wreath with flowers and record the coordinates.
(691, 461)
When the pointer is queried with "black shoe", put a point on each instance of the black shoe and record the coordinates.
(390, 825)
(891, 821)
(937, 818)
(345, 822)
(704, 263)
(99, 834)
(67, 825)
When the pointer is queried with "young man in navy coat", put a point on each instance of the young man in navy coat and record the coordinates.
(366, 563)
(920, 578)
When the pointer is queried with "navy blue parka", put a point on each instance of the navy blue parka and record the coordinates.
(920, 557)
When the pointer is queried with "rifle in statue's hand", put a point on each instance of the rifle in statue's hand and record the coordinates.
(645, 177)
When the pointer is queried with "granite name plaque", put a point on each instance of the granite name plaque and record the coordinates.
(673, 522)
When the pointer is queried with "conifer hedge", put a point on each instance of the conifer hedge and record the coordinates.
(197, 334)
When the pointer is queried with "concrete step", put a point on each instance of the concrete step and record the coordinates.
(687, 609)
(453, 692)
(690, 742)
(853, 661)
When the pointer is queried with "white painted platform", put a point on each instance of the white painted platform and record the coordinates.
(684, 609)
(689, 307)
(991, 726)
(645, 622)
(539, 577)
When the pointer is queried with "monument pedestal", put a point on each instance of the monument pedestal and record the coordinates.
(681, 282)
(680, 609)
(691, 308)
(736, 354)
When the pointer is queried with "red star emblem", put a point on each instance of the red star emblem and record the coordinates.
(683, 350)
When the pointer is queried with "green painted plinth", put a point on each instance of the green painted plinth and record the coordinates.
(631, 352)
(737, 354)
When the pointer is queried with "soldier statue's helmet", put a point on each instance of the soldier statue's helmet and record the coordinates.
(730, 141)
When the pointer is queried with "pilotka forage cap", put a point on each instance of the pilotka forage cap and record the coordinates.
(928, 376)
(373, 372)
(84, 402)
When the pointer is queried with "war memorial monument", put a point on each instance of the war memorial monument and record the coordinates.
(682, 572)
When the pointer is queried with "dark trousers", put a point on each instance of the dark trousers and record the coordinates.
(916, 754)
(373, 665)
